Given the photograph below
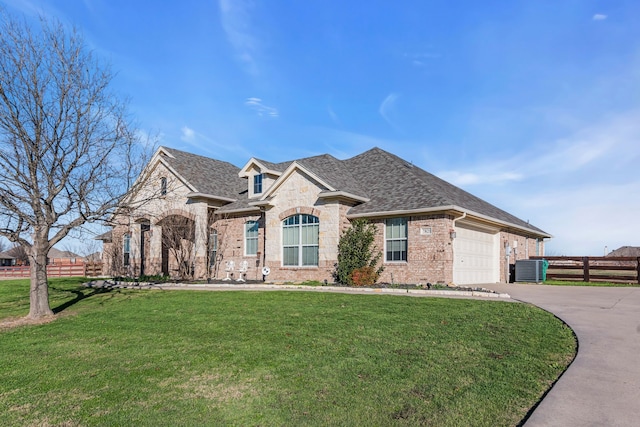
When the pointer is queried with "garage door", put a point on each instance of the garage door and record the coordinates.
(475, 256)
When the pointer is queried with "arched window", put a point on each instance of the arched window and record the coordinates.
(300, 240)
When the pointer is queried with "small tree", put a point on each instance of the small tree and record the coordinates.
(217, 242)
(357, 253)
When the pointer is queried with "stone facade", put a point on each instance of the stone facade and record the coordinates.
(143, 225)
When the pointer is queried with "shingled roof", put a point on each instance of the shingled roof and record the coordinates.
(334, 172)
(396, 185)
(625, 251)
(389, 183)
(207, 175)
(277, 167)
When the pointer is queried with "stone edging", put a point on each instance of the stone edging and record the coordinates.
(236, 286)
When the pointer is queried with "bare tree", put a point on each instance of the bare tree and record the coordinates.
(112, 258)
(3, 245)
(178, 236)
(20, 253)
(217, 242)
(68, 150)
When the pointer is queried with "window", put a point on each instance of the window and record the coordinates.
(396, 239)
(251, 238)
(213, 247)
(163, 186)
(126, 250)
(300, 240)
(257, 184)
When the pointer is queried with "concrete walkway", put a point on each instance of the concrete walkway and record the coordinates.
(602, 386)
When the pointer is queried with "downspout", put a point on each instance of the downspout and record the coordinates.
(263, 215)
(464, 215)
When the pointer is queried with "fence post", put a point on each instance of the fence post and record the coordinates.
(638, 269)
(585, 268)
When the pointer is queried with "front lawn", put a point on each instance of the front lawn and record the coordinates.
(151, 358)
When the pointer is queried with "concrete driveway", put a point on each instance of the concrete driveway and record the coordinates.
(602, 386)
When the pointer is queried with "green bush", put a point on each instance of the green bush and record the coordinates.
(356, 250)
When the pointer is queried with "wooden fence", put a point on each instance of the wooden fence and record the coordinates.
(90, 269)
(593, 269)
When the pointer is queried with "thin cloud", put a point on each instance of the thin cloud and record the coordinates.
(235, 17)
(387, 108)
(333, 116)
(582, 225)
(188, 134)
(569, 187)
(26, 7)
(147, 140)
(421, 59)
(470, 178)
(261, 109)
(209, 146)
(607, 146)
(344, 144)
(599, 17)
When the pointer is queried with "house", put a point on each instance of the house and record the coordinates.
(17, 256)
(60, 257)
(194, 216)
(625, 251)
(7, 259)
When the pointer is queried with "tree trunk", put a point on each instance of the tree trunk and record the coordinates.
(39, 295)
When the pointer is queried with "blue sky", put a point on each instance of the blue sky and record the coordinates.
(532, 105)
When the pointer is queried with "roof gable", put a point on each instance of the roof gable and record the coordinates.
(328, 171)
(264, 166)
(205, 175)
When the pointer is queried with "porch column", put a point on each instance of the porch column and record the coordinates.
(201, 239)
(155, 250)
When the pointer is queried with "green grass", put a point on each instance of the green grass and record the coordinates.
(183, 358)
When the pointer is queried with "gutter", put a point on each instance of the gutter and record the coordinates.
(239, 210)
(197, 195)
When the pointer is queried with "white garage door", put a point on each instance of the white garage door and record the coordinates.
(475, 256)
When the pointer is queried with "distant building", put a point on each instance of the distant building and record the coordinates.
(6, 259)
(625, 251)
(16, 256)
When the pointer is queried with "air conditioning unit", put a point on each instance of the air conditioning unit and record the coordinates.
(530, 270)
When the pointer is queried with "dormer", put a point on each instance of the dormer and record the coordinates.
(260, 177)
